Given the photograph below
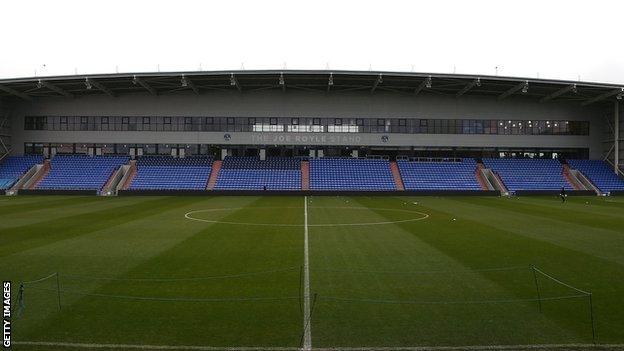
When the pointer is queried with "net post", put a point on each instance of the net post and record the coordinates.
(58, 291)
(539, 298)
(591, 316)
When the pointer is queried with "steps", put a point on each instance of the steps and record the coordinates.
(485, 184)
(212, 181)
(125, 182)
(571, 179)
(42, 173)
(305, 175)
(396, 174)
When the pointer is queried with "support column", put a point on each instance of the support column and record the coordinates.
(616, 137)
(262, 154)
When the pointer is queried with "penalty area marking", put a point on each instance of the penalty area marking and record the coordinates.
(421, 216)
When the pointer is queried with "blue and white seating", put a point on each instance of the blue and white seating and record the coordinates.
(599, 173)
(80, 172)
(170, 173)
(529, 174)
(419, 175)
(13, 167)
(251, 173)
(351, 174)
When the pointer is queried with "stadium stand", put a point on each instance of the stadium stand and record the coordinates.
(419, 175)
(529, 174)
(251, 173)
(14, 167)
(599, 173)
(80, 172)
(351, 174)
(169, 173)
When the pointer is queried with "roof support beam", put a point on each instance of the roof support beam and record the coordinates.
(426, 84)
(524, 86)
(474, 83)
(92, 83)
(15, 92)
(559, 93)
(234, 82)
(377, 82)
(54, 88)
(603, 96)
(186, 82)
(138, 81)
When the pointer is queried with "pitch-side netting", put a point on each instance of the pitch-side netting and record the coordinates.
(350, 308)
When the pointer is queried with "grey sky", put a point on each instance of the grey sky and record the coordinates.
(555, 39)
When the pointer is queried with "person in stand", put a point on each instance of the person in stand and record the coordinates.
(562, 194)
(264, 188)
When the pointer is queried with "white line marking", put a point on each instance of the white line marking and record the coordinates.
(307, 322)
(383, 348)
(189, 215)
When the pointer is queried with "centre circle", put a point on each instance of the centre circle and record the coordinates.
(413, 216)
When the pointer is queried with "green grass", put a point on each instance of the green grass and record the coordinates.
(374, 284)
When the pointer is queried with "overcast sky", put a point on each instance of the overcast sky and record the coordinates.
(549, 39)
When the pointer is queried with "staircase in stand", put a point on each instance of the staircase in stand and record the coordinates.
(479, 174)
(305, 175)
(398, 181)
(571, 179)
(212, 181)
(43, 174)
(131, 174)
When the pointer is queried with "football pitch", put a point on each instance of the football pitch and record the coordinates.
(316, 272)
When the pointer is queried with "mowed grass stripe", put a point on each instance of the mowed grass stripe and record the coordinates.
(555, 229)
(209, 249)
(29, 203)
(392, 246)
(42, 233)
(478, 243)
(45, 212)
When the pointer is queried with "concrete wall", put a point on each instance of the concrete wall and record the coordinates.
(276, 103)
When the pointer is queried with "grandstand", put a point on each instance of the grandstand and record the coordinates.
(503, 135)
(346, 252)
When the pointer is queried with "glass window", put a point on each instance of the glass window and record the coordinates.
(125, 120)
(209, 120)
(359, 122)
(316, 121)
(338, 121)
(251, 121)
(104, 120)
(188, 120)
(381, 122)
(230, 120)
(273, 121)
(294, 121)
(402, 122)
(146, 120)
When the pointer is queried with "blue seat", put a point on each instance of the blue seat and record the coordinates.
(600, 173)
(529, 174)
(251, 173)
(351, 174)
(81, 172)
(419, 175)
(170, 173)
(13, 167)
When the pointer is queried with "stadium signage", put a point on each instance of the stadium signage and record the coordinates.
(6, 314)
(305, 139)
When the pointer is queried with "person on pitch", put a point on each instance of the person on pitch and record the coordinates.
(563, 195)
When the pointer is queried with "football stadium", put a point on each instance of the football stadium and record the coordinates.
(311, 210)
